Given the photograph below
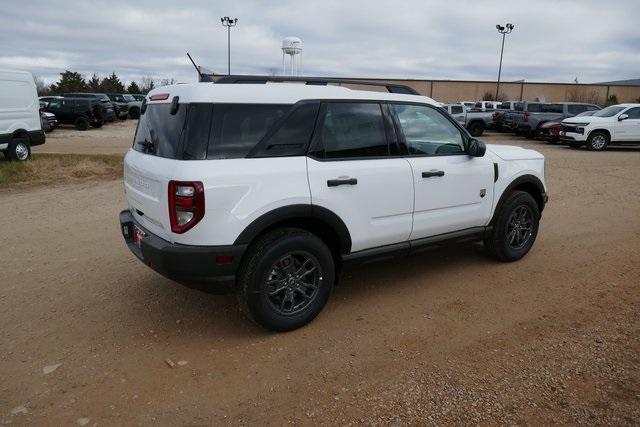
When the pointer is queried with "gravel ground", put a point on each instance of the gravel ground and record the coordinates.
(91, 336)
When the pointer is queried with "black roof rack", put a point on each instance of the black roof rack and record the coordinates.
(318, 81)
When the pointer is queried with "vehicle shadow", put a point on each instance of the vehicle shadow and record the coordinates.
(178, 309)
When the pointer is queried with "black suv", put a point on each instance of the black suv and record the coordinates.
(109, 108)
(121, 105)
(80, 112)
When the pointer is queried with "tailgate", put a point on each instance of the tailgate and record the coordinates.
(146, 183)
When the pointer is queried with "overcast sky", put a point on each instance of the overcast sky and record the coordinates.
(552, 41)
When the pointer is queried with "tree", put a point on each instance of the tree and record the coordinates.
(94, 83)
(146, 84)
(612, 100)
(70, 81)
(167, 82)
(111, 83)
(133, 88)
(41, 86)
(488, 96)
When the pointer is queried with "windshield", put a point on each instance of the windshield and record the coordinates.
(609, 111)
(129, 98)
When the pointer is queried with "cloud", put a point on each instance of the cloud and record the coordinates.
(553, 41)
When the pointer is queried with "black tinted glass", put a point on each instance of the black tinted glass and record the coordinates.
(576, 108)
(534, 108)
(353, 130)
(634, 113)
(552, 108)
(196, 132)
(292, 138)
(456, 109)
(237, 128)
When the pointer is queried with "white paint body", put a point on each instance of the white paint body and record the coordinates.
(391, 202)
(19, 105)
(627, 130)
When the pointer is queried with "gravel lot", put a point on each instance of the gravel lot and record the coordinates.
(447, 337)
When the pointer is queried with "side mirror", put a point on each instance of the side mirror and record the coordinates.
(476, 148)
(622, 117)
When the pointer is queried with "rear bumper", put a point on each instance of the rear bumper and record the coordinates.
(208, 268)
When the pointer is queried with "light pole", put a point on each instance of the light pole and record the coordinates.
(229, 22)
(504, 31)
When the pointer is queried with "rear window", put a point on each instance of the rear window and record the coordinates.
(205, 131)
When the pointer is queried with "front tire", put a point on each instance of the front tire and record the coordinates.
(598, 141)
(19, 149)
(476, 129)
(285, 279)
(515, 228)
(82, 123)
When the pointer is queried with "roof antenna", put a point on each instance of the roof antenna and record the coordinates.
(200, 75)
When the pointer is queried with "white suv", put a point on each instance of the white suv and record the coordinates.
(616, 124)
(271, 188)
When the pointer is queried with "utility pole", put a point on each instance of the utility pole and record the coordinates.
(504, 31)
(229, 22)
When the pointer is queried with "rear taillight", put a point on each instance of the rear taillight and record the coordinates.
(526, 117)
(186, 204)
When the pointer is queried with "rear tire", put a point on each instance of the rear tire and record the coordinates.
(81, 123)
(476, 129)
(285, 279)
(598, 141)
(515, 228)
(19, 149)
(134, 113)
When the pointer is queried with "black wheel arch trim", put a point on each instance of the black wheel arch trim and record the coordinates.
(297, 212)
(523, 179)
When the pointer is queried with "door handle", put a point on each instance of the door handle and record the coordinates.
(341, 181)
(432, 173)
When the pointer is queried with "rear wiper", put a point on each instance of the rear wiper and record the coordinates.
(149, 146)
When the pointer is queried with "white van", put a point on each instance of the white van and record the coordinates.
(20, 126)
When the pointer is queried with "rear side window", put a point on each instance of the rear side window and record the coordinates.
(456, 109)
(534, 108)
(352, 130)
(237, 128)
(292, 137)
(552, 108)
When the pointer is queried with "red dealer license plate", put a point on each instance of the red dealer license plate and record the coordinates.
(138, 235)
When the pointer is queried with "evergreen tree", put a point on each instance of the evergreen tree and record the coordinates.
(94, 83)
(70, 81)
(133, 88)
(112, 83)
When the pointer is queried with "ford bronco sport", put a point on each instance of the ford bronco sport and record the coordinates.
(269, 189)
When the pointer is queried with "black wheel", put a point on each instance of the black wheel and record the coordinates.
(285, 279)
(515, 228)
(81, 123)
(598, 141)
(19, 149)
(134, 113)
(476, 129)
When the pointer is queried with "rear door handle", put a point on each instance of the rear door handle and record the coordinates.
(430, 174)
(342, 181)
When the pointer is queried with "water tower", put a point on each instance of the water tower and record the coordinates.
(292, 46)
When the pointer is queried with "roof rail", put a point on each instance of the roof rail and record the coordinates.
(318, 81)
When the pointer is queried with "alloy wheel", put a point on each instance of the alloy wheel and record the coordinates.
(293, 282)
(519, 227)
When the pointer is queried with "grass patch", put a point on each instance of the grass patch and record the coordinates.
(59, 168)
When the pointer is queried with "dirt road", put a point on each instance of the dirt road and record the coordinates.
(112, 138)
(447, 337)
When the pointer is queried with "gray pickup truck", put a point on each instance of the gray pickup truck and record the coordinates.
(535, 114)
(474, 121)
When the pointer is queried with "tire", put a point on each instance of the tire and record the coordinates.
(19, 149)
(134, 113)
(275, 260)
(515, 228)
(476, 129)
(598, 141)
(81, 123)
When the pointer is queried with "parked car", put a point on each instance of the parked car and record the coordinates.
(468, 104)
(80, 112)
(109, 113)
(20, 125)
(270, 190)
(513, 119)
(616, 124)
(120, 104)
(550, 131)
(551, 112)
(477, 121)
(457, 111)
(48, 121)
(486, 105)
(501, 110)
(134, 106)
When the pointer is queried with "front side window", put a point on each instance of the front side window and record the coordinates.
(552, 108)
(427, 132)
(634, 113)
(352, 130)
(609, 111)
